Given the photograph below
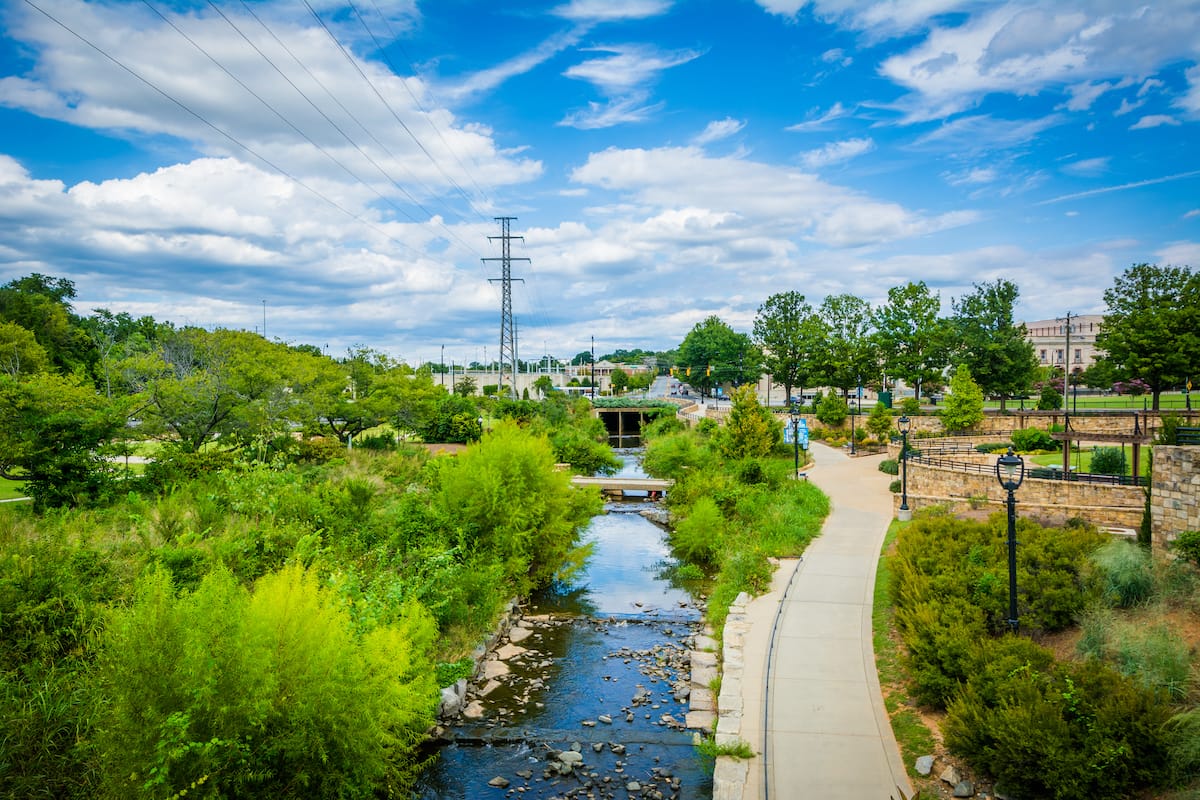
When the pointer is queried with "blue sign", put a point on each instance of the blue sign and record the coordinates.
(793, 432)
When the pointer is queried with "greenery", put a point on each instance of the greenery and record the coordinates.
(879, 422)
(1152, 325)
(1028, 440)
(833, 410)
(1050, 399)
(889, 466)
(713, 353)
(964, 404)
(740, 748)
(990, 343)
(850, 352)
(751, 431)
(914, 341)
(1109, 461)
(789, 335)
(1187, 545)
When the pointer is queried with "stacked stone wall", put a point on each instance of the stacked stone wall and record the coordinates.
(1175, 493)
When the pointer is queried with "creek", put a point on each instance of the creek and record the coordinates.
(595, 667)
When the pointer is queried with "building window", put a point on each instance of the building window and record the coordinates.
(1043, 356)
(1058, 356)
(1078, 355)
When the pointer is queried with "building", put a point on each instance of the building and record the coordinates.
(1050, 344)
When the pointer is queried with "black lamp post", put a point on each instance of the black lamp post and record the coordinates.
(794, 414)
(853, 414)
(904, 423)
(1010, 472)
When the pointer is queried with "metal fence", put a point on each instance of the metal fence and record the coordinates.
(1043, 473)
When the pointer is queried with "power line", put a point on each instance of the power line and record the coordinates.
(507, 337)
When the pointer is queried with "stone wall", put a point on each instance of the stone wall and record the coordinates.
(1175, 496)
(1101, 504)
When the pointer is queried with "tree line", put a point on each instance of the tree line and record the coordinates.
(1150, 334)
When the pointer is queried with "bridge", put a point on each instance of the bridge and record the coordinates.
(654, 487)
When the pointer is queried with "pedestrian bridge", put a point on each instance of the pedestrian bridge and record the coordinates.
(654, 487)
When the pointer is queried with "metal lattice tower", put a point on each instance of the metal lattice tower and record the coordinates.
(508, 341)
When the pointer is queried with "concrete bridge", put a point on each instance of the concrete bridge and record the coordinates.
(616, 487)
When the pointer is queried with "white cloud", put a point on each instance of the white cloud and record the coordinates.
(488, 79)
(1190, 100)
(611, 10)
(972, 176)
(986, 133)
(1179, 254)
(628, 109)
(1084, 94)
(629, 68)
(837, 56)
(878, 18)
(836, 152)
(836, 111)
(1087, 167)
(1179, 176)
(1154, 121)
(1195, 212)
(1126, 106)
(717, 130)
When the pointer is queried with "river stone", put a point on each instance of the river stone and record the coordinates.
(570, 757)
(518, 634)
(964, 789)
(451, 702)
(509, 651)
(474, 710)
(499, 782)
(605, 718)
(924, 765)
(633, 786)
(951, 775)
(494, 668)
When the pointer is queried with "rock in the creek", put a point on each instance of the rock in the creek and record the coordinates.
(519, 634)
(633, 786)
(571, 757)
(924, 765)
(452, 703)
(588, 723)
(499, 782)
(605, 718)
(524, 773)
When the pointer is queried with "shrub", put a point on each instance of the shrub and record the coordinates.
(1187, 545)
(833, 410)
(751, 429)
(910, 406)
(964, 404)
(894, 487)
(698, 537)
(1108, 461)
(879, 423)
(989, 448)
(889, 466)
(1125, 573)
(1030, 439)
(1050, 399)
(665, 425)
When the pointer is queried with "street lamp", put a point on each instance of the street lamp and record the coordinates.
(794, 414)
(853, 414)
(1010, 472)
(904, 423)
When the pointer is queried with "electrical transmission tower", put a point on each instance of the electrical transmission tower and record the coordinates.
(508, 341)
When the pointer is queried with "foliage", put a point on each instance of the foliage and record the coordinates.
(664, 425)
(670, 456)
(964, 404)
(1109, 461)
(270, 693)
(1124, 572)
(714, 354)
(1151, 330)
(910, 406)
(1152, 655)
(889, 466)
(850, 353)
(833, 410)
(791, 338)
(895, 487)
(879, 422)
(698, 538)
(1028, 440)
(581, 442)
(751, 430)
(20, 353)
(455, 419)
(914, 341)
(988, 341)
(511, 505)
(1187, 545)
(1050, 399)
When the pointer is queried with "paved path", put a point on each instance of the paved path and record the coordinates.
(827, 733)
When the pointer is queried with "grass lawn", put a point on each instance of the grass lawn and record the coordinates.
(10, 489)
(1082, 460)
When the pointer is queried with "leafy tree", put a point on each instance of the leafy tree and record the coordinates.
(455, 420)
(716, 354)
(41, 305)
(913, 339)
(544, 384)
(1050, 399)
(118, 337)
(20, 354)
(52, 429)
(510, 504)
(581, 358)
(465, 386)
(272, 693)
(879, 423)
(849, 354)
(832, 410)
(751, 430)
(990, 344)
(619, 380)
(1151, 330)
(791, 338)
(964, 404)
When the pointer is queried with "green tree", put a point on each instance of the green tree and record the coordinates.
(751, 430)
(717, 354)
(510, 504)
(465, 386)
(849, 354)
(791, 338)
(964, 404)
(1151, 330)
(41, 305)
(272, 693)
(913, 339)
(879, 423)
(20, 354)
(52, 431)
(990, 344)
(544, 384)
(832, 410)
(619, 379)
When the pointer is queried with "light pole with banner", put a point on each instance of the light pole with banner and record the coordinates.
(904, 423)
(1010, 472)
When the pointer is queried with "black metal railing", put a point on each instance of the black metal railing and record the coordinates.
(1044, 473)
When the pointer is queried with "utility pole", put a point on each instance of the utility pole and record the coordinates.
(1067, 365)
(264, 319)
(508, 344)
(593, 368)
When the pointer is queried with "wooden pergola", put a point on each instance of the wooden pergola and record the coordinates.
(1137, 438)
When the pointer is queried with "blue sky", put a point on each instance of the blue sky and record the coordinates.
(665, 160)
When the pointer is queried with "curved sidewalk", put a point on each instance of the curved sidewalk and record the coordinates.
(826, 731)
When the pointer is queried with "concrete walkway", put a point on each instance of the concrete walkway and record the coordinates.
(827, 734)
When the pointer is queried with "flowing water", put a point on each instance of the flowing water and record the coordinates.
(601, 666)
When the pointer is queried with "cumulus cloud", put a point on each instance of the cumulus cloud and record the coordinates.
(1180, 254)
(836, 152)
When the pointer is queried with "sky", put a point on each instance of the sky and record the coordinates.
(330, 173)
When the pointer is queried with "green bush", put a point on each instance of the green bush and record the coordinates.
(1108, 461)
(1028, 440)
(910, 406)
(1125, 573)
(889, 466)
(989, 448)
(894, 487)
(1049, 399)
(833, 410)
(1187, 545)
(664, 425)
(698, 538)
